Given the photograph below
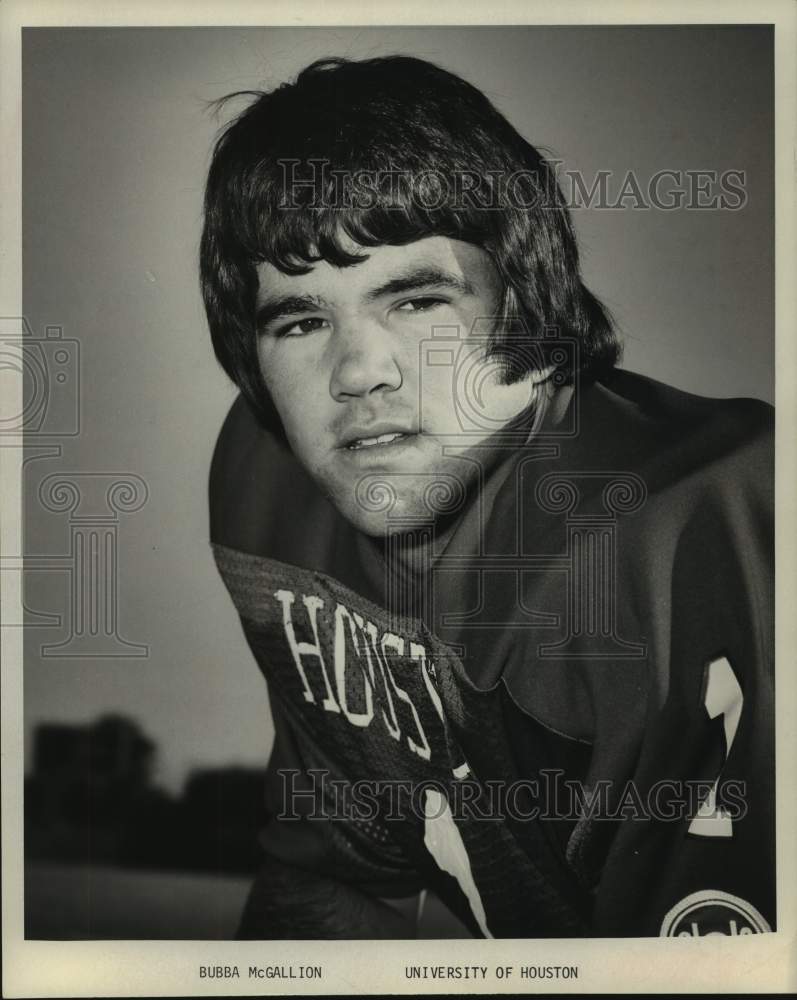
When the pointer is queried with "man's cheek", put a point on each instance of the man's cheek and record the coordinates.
(307, 451)
(434, 398)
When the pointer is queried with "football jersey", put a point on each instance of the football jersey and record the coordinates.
(555, 710)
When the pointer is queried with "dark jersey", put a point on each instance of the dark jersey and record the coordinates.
(561, 720)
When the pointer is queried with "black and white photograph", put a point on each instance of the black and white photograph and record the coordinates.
(396, 490)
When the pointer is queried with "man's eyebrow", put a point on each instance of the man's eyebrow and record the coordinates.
(285, 305)
(421, 277)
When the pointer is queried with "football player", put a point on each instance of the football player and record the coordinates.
(512, 603)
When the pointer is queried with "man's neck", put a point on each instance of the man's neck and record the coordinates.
(413, 549)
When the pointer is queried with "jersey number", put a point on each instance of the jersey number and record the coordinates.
(723, 697)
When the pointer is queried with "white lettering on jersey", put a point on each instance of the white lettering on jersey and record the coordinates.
(368, 630)
(378, 678)
(300, 649)
(723, 697)
(422, 748)
(418, 652)
(355, 718)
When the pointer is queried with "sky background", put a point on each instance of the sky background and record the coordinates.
(116, 143)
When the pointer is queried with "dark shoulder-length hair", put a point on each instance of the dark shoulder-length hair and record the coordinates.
(388, 151)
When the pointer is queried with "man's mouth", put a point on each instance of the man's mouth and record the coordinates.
(377, 434)
(373, 442)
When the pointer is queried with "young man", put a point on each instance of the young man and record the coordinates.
(513, 605)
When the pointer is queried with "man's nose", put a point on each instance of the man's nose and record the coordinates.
(364, 362)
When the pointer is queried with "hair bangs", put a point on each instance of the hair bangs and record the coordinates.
(293, 228)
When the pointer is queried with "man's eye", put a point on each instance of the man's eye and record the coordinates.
(420, 304)
(301, 327)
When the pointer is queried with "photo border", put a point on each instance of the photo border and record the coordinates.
(758, 963)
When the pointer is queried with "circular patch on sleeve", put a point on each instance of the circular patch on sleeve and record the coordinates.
(709, 913)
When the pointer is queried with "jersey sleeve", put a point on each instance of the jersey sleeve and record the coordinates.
(694, 851)
(330, 868)
(319, 820)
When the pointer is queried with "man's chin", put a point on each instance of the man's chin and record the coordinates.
(378, 508)
(379, 520)
(373, 525)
